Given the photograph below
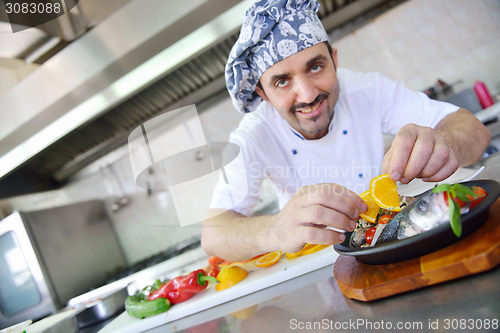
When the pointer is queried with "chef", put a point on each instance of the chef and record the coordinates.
(316, 132)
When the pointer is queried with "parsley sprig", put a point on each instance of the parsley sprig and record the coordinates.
(455, 191)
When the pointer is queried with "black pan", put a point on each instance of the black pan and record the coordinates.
(429, 241)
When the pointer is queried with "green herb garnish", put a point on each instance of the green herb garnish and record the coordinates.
(455, 191)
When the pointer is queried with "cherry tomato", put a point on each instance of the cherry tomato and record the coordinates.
(384, 219)
(482, 194)
(213, 270)
(369, 235)
(459, 202)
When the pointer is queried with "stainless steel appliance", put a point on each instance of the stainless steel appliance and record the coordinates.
(48, 257)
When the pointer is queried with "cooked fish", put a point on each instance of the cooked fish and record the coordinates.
(426, 212)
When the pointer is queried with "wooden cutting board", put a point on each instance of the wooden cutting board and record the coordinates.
(258, 279)
(476, 253)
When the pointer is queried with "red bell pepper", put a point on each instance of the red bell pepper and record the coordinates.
(183, 287)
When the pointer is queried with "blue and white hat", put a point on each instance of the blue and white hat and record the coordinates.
(272, 31)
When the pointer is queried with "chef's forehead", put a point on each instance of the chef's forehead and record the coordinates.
(312, 54)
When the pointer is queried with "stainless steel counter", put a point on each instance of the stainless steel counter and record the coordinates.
(313, 303)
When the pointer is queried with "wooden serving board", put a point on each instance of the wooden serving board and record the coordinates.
(476, 253)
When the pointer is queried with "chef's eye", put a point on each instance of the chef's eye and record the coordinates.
(315, 68)
(423, 206)
(281, 83)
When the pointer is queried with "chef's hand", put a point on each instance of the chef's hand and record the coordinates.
(419, 152)
(310, 210)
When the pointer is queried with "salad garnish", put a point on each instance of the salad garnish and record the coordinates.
(454, 192)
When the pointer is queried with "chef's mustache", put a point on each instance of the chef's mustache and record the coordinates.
(317, 100)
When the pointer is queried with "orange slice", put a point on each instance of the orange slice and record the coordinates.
(269, 259)
(315, 248)
(373, 208)
(230, 276)
(384, 192)
(298, 254)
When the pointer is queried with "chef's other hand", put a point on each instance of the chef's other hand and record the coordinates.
(310, 210)
(419, 152)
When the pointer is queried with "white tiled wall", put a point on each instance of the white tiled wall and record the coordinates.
(421, 41)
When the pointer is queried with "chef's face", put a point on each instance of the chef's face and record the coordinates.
(304, 89)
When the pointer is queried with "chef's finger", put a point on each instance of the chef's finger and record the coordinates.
(447, 170)
(312, 235)
(420, 156)
(439, 158)
(402, 147)
(317, 214)
(333, 196)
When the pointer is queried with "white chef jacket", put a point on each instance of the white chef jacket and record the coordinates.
(350, 154)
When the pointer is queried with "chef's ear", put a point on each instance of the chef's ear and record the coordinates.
(333, 54)
(335, 58)
(260, 91)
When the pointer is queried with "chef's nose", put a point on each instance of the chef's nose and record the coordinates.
(306, 90)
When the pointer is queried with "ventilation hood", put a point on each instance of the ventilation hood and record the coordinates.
(147, 58)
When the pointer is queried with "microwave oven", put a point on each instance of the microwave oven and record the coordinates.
(50, 256)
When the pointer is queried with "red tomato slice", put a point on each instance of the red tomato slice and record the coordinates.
(482, 194)
(384, 219)
(369, 235)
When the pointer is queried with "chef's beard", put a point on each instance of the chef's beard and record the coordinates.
(317, 100)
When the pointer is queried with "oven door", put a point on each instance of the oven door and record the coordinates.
(24, 291)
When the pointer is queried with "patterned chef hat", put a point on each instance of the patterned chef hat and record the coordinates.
(272, 31)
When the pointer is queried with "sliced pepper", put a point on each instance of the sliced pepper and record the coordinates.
(183, 287)
(138, 307)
